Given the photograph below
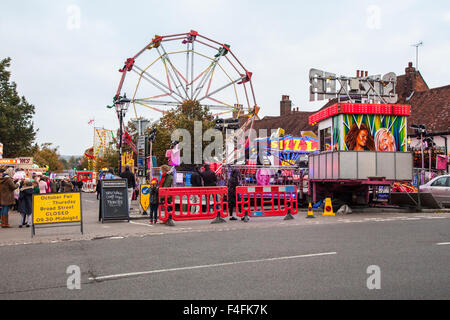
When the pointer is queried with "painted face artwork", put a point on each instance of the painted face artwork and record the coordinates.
(384, 140)
(361, 140)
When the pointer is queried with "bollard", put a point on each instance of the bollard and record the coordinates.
(310, 212)
(328, 208)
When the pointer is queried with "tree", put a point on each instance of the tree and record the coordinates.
(182, 117)
(46, 155)
(16, 126)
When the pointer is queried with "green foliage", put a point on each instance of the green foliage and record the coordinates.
(182, 117)
(16, 126)
(46, 155)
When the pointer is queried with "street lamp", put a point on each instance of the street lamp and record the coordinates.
(121, 108)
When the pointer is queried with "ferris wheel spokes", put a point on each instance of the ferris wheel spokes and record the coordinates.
(211, 86)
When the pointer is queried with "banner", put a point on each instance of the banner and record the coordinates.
(359, 132)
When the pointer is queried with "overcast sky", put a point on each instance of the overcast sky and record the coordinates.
(66, 54)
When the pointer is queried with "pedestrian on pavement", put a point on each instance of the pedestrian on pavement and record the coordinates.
(166, 181)
(232, 184)
(25, 203)
(167, 177)
(68, 186)
(131, 181)
(209, 180)
(53, 186)
(74, 184)
(98, 188)
(209, 177)
(110, 174)
(42, 185)
(154, 200)
(196, 181)
(36, 189)
(7, 187)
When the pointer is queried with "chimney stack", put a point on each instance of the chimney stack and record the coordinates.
(410, 79)
(285, 105)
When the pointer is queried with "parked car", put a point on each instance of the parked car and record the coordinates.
(439, 187)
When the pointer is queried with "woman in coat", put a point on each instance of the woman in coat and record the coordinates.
(25, 204)
(7, 187)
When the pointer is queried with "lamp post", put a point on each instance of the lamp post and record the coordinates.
(121, 109)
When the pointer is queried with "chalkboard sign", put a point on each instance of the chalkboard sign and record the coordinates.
(114, 200)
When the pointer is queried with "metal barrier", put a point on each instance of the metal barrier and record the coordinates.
(88, 186)
(197, 203)
(251, 201)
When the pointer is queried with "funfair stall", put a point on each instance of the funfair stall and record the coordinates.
(363, 141)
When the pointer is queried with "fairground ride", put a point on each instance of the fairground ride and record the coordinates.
(175, 68)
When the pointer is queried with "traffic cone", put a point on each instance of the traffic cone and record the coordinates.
(310, 212)
(328, 209)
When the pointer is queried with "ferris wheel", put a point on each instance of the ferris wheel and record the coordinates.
(176, 68)
(187, 66)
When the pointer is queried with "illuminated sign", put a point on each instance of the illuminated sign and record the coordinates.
(373, 89)
(8, 161)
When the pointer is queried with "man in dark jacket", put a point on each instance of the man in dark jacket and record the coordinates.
(233, 182)
(196, 178)
(209, 177)
(209, 180)
(127, 174)
(196, 181)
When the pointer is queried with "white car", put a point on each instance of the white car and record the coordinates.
(439, 187)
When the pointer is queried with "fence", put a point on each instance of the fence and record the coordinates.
(266, 201)
(197, 203)
(88, 186)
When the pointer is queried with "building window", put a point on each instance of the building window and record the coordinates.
(325, 139)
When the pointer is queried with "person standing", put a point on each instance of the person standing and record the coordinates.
(196, 181)
(7, 187)
(42, 185)
(166, 182)
(154, 200)
(68, 186)
(232, 184)
(131, 180)
(110, 174)
(25, 204)
(35, 185)
(209, 177)
(209, 180)
(166, 178)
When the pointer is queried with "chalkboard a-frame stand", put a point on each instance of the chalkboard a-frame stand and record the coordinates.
(114, 200)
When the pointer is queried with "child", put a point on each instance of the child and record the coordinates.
(154, 200)
(25, 203)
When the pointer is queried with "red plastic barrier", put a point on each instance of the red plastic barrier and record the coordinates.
(195, 203)
(250, 201)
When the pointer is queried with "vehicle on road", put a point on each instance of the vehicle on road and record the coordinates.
(439, 187)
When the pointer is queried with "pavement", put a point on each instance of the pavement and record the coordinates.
(139, 225)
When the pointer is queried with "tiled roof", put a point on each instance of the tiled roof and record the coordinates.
(292, 123)
(431, 108)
